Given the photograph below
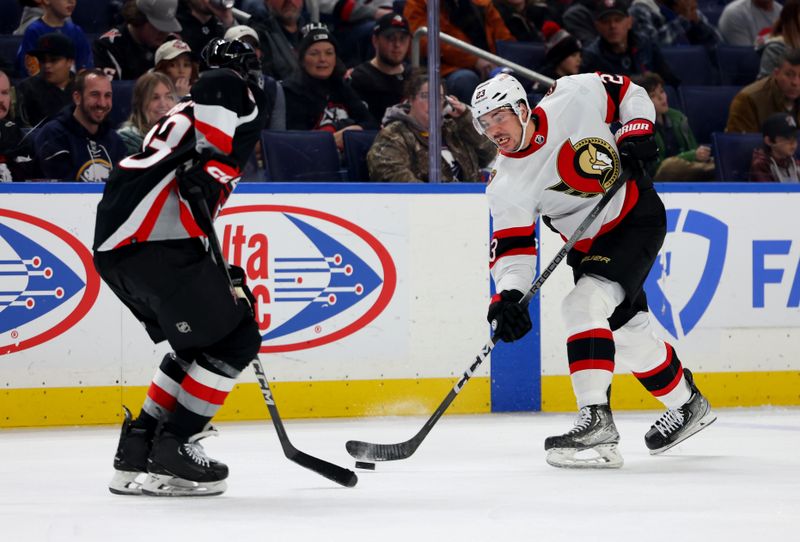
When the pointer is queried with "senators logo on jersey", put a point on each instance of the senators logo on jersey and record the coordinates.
(586, 168)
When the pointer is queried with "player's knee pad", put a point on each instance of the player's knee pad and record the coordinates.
(591, 302)
(239, 347)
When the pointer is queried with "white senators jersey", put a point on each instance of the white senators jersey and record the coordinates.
(571, 161)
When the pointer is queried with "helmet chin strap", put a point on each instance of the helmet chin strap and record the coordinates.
(524, 129)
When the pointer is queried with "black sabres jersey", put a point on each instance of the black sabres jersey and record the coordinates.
(141, 201)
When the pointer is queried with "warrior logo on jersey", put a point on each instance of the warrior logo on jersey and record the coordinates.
(586, 168)
(47, 281)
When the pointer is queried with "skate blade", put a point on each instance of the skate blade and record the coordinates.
(603, 456)
(164, 485)
(709, 418)
(127, 482)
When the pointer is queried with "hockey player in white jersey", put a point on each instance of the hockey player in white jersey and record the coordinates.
(555, 161)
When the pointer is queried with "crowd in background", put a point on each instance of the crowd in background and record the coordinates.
(350, 71)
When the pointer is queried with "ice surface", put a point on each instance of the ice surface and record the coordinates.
(475, 478)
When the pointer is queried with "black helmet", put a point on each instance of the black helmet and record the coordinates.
(234, 54)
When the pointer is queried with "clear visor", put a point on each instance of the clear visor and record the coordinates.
(493, 118)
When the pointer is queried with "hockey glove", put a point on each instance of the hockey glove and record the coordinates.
(239, 280)
(207, 178)
(637, 144)
(510, 320)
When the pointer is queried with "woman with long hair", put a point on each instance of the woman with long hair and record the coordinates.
(153, 96)
(785, 35)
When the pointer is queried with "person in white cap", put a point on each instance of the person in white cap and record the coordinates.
(174, 59)
(246, 34)
(127, 51)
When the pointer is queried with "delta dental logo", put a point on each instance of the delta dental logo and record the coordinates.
(47, 281)
(316, 277)
(680, 311)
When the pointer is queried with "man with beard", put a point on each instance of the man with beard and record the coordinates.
(15, 161)
(279, 36)
(46, 93)
(79, 144)
(379, 81)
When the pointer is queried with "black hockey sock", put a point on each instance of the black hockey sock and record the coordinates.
(147, 422)
(185, 423)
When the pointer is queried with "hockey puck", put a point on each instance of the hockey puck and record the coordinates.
(365, 465)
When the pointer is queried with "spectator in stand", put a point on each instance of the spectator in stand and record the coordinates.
(742, 21)
(524, 18)
(31, 10)
(279, 36)
(46, 93)
(673, 22)
(174, 59)
(353, 21)
(680, 158)
(317, 97)
(246, 34)
(400, 151)
(126, 52)
(56, 18)
(618, 49)
(153, 96)
(79, 144)
(474, 21)
(203, 20)
(16, 161)
(379, 81)
(579, 20)
(778, 93)
(775, 162)
(784, 35)
(562, 52)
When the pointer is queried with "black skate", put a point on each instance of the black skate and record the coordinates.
(591, 444)
(179, 467)
(676, 425)
(130, 461)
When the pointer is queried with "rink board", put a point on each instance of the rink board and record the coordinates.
(372, 301)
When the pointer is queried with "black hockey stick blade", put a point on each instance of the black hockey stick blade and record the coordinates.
(340, 475)
(381, 452)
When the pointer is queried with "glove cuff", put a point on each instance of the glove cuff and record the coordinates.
(634, 128)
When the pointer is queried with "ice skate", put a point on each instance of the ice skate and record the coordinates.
(130, 461)
(676, 425)
(179, 467)
(591, 444)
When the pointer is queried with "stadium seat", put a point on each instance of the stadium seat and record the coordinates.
(122, 93)
(11, 11)
(733, 154)
(691, 64)
(8, 52)
(356, 147)
(737, 65)
(298, 155)
(707, 108)
(93, 17)
(526, 54)
(673, 98)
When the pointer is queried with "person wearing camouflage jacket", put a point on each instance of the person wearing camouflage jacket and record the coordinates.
(400, 151)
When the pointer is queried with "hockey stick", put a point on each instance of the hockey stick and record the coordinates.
(404, 450)
(338, 474)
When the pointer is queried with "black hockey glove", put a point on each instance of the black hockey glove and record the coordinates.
(637, 145)
(208, 177)
(512, 318)
(239, 280)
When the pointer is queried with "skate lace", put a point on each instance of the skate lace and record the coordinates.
(196, 451)
(669, 422)
(583, 421)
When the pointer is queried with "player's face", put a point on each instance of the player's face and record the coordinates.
(5, 95)
(160, 102)
(61, 8)
(55, 69)
(614, 28)
(320, 60)
(659, 98)
(502, 126)
(95, 102)
(787, 77)
(392, 47)
(179, 67)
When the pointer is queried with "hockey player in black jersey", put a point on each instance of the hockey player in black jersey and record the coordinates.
(555, 161)
(150, 249)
